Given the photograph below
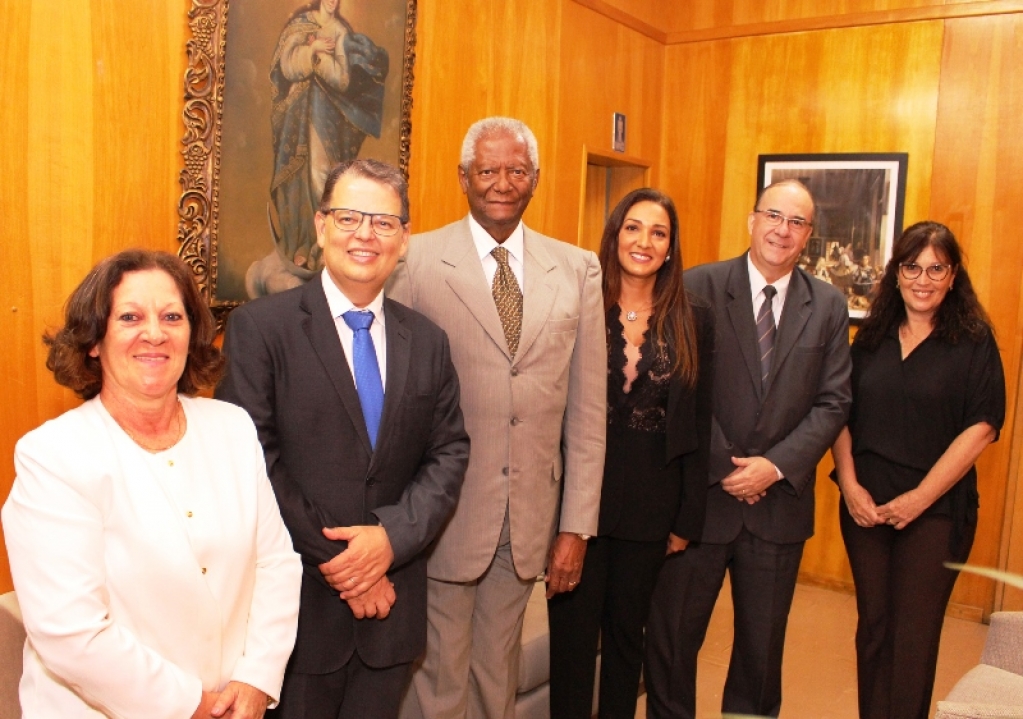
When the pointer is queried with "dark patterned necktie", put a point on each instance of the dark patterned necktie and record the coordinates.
(765, 333)
(367, 371)
(508, 298)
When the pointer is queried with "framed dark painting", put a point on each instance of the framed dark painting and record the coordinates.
(276, 93)
(859, 200)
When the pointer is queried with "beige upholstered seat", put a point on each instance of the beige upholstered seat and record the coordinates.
(994, 688)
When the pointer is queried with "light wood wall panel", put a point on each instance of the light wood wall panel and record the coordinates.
(89, 156)
(475, 59)
(977, 190)
(729, 13)
(605, 68)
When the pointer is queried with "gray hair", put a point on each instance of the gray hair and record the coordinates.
(496, 125)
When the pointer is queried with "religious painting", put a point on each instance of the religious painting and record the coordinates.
(276, 93)
(859, 205)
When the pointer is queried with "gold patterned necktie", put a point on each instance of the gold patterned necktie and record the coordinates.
(508, 298)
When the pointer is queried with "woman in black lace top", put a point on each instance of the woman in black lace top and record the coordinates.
(659, 341)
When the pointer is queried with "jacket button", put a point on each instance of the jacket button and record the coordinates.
(515, 421)
(370, 481)
(204, 570)
(504, 471)
(514, 371)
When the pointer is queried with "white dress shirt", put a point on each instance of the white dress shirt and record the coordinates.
(757, 283)
(339, 304)
(485, 244)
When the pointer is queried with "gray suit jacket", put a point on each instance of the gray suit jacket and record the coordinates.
(794, 418)
(537, 422)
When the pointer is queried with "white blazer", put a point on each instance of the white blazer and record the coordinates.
(144, 579)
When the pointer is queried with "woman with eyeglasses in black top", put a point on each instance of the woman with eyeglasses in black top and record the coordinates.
(928, 397)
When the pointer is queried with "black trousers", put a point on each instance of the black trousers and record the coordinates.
(902, 590)
(610, 603)
(355, 691)
(763, 576)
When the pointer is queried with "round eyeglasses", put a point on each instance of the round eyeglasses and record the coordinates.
(774, 218)
(936, 272)
(351, 220)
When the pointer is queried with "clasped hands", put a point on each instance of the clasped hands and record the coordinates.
(750, 479)
(898, 513)
(358, 573)
(238, 701)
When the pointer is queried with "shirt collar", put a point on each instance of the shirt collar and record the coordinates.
(757, 283)
(339, 303)
(485, 244)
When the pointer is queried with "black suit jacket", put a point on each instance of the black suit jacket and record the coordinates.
(286, 367)
(677, 505)
(793, 418)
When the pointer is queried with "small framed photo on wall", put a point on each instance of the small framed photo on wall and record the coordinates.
(618, 133)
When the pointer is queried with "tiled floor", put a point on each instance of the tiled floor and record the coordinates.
(820, 659)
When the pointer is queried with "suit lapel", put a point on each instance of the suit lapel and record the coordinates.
(469, 282)
(794, 317)
(399, 345)
(740, 314)
(319, 327)
(539, 294)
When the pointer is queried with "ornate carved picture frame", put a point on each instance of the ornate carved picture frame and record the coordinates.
(275, 93)
(860, 198)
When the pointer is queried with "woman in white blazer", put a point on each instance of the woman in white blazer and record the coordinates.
(154, 573)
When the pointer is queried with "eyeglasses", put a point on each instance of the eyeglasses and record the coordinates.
(351, 220)
(911, 270)
(774, 219)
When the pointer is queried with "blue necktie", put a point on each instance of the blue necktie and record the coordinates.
(367, 371)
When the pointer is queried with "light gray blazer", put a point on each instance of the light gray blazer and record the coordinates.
(536, 421)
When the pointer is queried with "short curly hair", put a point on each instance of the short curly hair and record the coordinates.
(87, 312)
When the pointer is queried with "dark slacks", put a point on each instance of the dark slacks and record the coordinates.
(610, 603)
(763, 576)
(355, 691)
(902, 590)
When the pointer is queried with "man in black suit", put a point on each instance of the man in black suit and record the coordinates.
(364, 444)
(781, 395)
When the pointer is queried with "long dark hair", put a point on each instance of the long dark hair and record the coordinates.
(959, 316)
(672, 317)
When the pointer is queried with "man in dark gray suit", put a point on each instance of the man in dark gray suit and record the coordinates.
(364, 443)
(781, 395)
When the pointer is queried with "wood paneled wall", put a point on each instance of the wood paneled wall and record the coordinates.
(89, 160)
(941, 90)
(90, 155)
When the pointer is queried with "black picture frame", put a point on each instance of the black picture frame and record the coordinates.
(860, 200)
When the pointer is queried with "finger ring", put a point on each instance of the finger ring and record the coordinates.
(743, 492)
(352, 580)
(572, 584)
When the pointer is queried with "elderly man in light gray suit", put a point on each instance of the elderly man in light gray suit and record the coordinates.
(524, 314)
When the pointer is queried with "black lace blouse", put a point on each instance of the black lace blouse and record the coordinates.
(644, 406)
